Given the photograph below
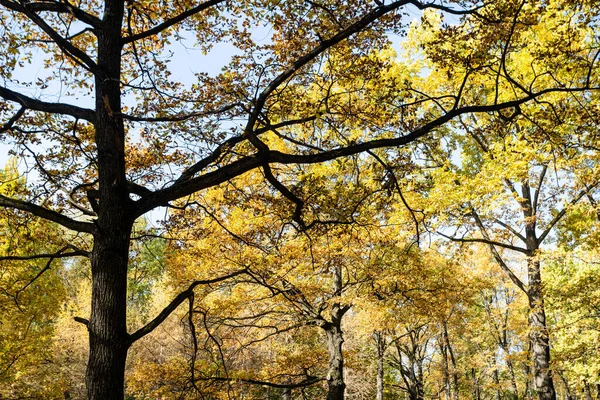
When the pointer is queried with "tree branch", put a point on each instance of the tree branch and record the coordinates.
(562, 212)
(484, 241)
(186, 185)
(47, 214)
(171, 21)
(515, 279)
(9, 124)
(60, 7)
(78, 55)
(180, 298)
(323, 46)
(55, 108)
(310, 380)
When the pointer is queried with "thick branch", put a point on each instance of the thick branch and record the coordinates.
(54, 108)
(78, 55)
(287, 193)
(76, 253)
(180, 298)
(323, 46)
(50, 215)
(60, 7)
(10, 123)
(182, 188)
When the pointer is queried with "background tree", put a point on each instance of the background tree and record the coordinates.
(31, 289)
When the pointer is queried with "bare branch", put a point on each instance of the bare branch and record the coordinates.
(510, 229)
(484, 241)
(81, 320)
(76, 253)
(51, 257)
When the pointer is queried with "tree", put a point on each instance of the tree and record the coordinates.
(31, 288)
(515, 185)
(144, 140)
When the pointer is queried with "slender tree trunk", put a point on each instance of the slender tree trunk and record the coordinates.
(568, 395)
(108, 338)
(513, 379)
(498, 395)
(452, 362)
(475, 382)
(445, 368)
(335, 341)
(538, 335)
(287, 394)
(543, 385)
(586, 390)
(528, 377)
(380, 341)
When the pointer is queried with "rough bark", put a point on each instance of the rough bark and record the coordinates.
(335, 377)
(543, 385)
(538, 336)
(108, 336)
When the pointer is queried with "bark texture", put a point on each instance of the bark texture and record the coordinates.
(108, 337)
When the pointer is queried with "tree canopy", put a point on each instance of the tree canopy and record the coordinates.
(301, 185)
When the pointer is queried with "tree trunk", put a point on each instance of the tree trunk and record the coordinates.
(108, 336)
(498, 394)
(528, 377)
(475, 382)
(568, 395)
(109, 341)
(513, 379)
(445, 367)
(335, 377)
(538, 335)
(452, 362)
(380, 341)
(586, 390)
(335, 340)
(287, 394)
